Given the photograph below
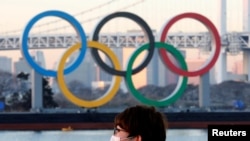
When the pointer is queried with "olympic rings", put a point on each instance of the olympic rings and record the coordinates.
(182, 83)
(216, 40)
(66, 17)
(108, 95)
(143, 25)
(116, 71)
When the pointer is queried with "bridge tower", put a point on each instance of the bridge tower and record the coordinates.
(220, 66)
(219, 70)
(246, 28)
(246, 16)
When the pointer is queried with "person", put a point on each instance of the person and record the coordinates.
(140, 123)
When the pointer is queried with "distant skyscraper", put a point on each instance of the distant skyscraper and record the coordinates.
(23, 66)
(153, 70)
(105, 76)
(6, 64)
(159, 74)
(39, 57)
(84, 73)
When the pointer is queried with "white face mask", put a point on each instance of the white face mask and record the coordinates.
(115, 138)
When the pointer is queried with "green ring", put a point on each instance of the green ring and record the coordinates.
(179, 90)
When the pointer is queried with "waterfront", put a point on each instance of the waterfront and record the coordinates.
(95, 135)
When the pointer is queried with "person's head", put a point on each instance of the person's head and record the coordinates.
(140, 123)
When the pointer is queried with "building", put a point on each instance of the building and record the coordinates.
(85, 73)
(22, 65)
(6, 64)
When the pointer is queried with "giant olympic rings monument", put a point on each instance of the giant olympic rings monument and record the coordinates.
(117, 73)
(153, 44)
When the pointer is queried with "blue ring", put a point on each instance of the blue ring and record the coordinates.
(77, 27)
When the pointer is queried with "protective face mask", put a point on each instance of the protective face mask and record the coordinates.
(114, 138)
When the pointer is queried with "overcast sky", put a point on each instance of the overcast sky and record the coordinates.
(15, 14)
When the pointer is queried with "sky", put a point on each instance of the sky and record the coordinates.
(15, 14)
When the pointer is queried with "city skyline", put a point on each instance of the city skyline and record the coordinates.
(193, 63)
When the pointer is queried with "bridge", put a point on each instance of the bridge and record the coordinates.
(233, 42)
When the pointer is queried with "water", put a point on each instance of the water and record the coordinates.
(94, 135)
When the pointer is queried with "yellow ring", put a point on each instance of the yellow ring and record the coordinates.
(115, 85)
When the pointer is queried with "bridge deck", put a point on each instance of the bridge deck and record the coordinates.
(233, 41)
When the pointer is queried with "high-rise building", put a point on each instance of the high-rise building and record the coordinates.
(159, 74)
(6, 64)
(39, 58)
(85, 73)
(22, 65)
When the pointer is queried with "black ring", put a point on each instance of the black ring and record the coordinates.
(142, 24)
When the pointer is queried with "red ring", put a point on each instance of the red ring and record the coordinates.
(216, 40)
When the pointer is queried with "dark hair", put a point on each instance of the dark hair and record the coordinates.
(143, 120)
